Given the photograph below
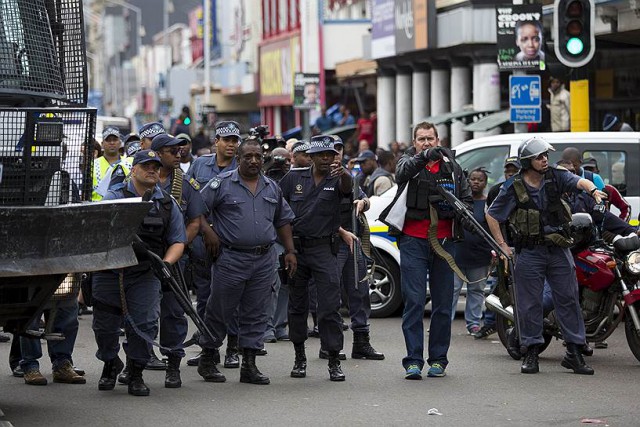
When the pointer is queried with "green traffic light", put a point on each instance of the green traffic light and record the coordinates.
(187, 121)
(575, 46)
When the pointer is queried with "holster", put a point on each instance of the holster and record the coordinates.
(282, 271)
(335, 244)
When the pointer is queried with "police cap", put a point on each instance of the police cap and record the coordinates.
(145, 156)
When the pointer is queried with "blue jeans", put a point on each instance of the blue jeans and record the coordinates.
(65, 321)
(277, 311)
(475, 294)
(417, 260)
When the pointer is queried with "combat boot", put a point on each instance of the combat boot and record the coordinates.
(137, 387)
(172, 378)
(249, 372)
(123, 378)
(300, 364)
(530, 363)
(207, 367)
(232, 357)
(65, 374)
(362, 348)
(110, 371)
(574, 360)
(335, 371)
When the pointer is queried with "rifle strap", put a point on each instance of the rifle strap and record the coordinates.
(432, 236)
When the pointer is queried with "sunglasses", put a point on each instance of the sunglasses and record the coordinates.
(543, 155)
(175, 150)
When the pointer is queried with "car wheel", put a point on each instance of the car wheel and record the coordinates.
(384, 291)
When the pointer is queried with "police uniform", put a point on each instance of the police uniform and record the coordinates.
(244, 273)
(162, 227)
(317, 210)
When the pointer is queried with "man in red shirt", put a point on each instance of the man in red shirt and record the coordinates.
(422, 169)
(366, 130)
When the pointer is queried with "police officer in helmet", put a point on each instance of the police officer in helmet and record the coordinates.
(538, 219)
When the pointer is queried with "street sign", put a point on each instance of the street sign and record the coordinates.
(525, 99)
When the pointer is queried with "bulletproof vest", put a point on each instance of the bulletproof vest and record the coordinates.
(422, 192)
(346, 206)
(375, 175)
(531, 226)
(153, 230)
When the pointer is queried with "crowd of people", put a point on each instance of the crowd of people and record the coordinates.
(266, 243)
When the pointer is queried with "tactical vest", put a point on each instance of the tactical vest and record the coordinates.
(422, 192)
(375, 175)
(527, 222)
(153, 230)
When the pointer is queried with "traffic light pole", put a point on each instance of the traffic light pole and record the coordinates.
(579, 89)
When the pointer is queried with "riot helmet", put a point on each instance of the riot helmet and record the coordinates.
(532, 148)
(581, 228)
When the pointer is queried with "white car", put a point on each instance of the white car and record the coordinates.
(618, 155)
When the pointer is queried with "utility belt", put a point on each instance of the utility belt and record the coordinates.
(548, 240)
(300, 243)
(254, 250)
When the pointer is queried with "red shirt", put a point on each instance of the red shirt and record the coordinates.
(420, 227)
(365, 130)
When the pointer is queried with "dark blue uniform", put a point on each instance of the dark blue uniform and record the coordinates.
(535, 264)
(174, 325)
(141, 286)
(203, 169)
(317, 210)
(244, 273)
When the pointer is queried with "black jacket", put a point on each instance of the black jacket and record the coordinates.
(410, 165)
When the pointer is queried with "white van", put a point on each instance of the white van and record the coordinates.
(617, 153)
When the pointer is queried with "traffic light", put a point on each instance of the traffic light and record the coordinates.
(573, 27)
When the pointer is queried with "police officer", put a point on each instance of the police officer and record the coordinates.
(203, 169)
(314, 195)
(530, 202)
(162, 232)
(425, 245)
(103, 165)
(173, 323)
(248, 212)
(147, 132)
(357, 293)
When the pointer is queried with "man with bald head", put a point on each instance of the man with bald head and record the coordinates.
(574, 156)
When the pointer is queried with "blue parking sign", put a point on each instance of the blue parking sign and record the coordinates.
(525, 99)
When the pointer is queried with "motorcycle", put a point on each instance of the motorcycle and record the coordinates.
(609, 285)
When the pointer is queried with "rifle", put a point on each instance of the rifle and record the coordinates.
(164, 273)
(354, 225)
(474, 226)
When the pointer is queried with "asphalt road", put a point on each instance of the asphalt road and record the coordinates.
(483, 387)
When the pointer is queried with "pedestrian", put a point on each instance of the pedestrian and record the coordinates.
(133, 293)
(324, 122)
(357, 291)
(249, 213)
(573, 155)
(614, 198)
(424, 242)
(473, 256)
(376, 180)
(559, 106)
(612, 123)
(314, 195)
(203, 170)
(531, 202)
(365, 130)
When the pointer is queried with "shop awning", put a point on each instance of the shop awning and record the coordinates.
(488, 122)
(446, 118)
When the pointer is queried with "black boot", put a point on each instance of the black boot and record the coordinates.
(155, 364)
(300, 364)
(232, 358)
(335, 371)
(137, 387)
(574, 360)
(123, 378)
(172, 378)
(530, 363)
(324, 354)
(207, 367)
(110, 371)
(362, 349)
(586, 349)
(196, 359)
(249, 372)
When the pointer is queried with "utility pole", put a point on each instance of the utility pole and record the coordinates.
(207, 51)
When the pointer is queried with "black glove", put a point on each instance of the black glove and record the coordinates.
(432, 154)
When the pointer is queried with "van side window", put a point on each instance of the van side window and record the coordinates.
(492, 158)
(612, 166)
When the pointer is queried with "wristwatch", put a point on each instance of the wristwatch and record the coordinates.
(593, 190)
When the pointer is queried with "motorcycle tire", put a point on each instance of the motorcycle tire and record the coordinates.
(508, 339)
(633, 337)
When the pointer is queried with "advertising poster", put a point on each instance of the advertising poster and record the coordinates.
(306, 90)
(520, 37)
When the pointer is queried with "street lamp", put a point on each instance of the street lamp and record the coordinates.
(138, 13)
